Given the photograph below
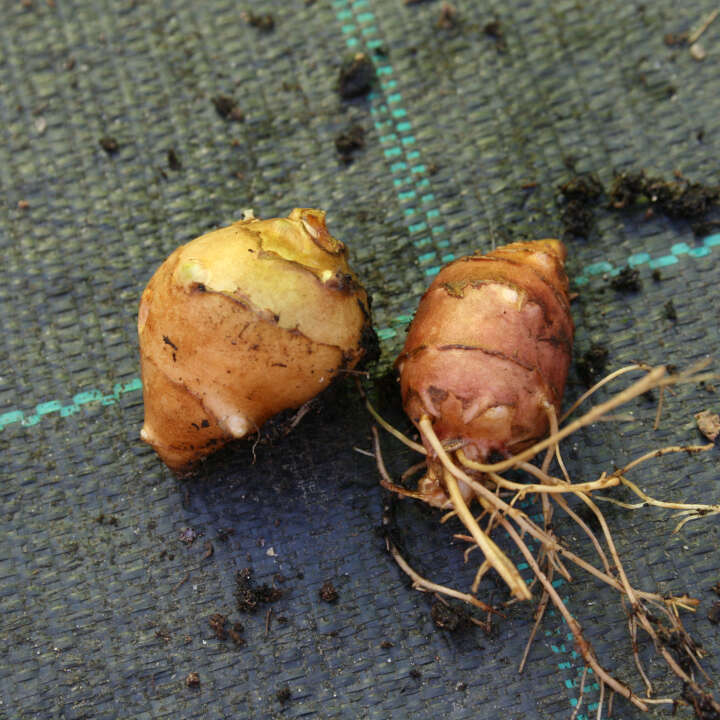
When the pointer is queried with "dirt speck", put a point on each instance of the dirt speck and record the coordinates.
(173, 160)
(627, 280)
(350, 141)
(261, 21)
(192, 680)
(494, 30)
(283, 694)
(581, 194)
(227, 108)
(680, 198)
(357, 74)
(669, 311)
(447, 617)
(448, 17)
(714, 613)
(250, 597)
(591, 365)
(328, 593)
(109, 144)
(217, 623)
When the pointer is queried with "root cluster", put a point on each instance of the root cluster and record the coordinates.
(656, 615)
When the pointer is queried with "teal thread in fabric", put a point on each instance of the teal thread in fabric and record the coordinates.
(87, 397)
(395, 133)
(637, 259)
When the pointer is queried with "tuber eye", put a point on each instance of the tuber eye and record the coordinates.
(242, 323)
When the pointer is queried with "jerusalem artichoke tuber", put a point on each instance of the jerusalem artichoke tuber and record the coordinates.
(488, 351)
(242, 323)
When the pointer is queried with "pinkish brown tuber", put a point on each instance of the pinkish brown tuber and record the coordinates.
(241, 324)
(488, 353)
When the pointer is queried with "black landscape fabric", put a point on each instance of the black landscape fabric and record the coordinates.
(426, 130)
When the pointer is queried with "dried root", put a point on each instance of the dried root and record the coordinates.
(464, 480)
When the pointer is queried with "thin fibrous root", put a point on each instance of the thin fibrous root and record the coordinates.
(539, 613)
(598, 385)
(584, 647)
(632, 627)
(385, 479)
(393, 431)
(495, 556)
(580, 698)
(425, 585)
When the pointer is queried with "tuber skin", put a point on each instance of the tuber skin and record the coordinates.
(487, 352)
(243, 323)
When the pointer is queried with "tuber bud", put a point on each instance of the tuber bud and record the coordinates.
(242, 323)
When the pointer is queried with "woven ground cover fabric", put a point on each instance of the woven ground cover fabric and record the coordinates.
(113, 153)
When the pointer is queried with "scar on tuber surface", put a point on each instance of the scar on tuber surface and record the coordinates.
(482, 376)
(243, 323)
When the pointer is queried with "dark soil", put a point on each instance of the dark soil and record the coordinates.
(217, 623)
(635, 189)
(283, 694)
(250, 597)
(109, 144)
(581, 194)
(679, 199)
(448, 18)
(224, 534)
(627, 280)
(227, 108)
(350, 141)
(447, 616)
(591, 366)
(357, 74)
(234, 631)
(173, 160)
(670, 312)
(714, 613)
(586, 186)
(328, 593)
(494, 30)
(577, 219)
(261, 21)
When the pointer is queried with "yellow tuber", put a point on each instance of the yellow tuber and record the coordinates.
(243, 323)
